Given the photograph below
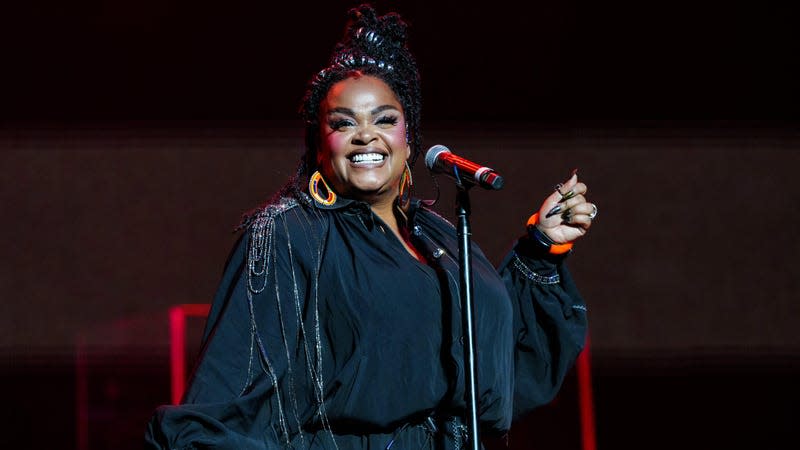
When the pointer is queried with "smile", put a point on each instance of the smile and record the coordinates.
(367, 158)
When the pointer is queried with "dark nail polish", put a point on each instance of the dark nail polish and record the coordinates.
(556, 209)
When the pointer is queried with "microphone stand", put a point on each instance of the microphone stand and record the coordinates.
(468, 313)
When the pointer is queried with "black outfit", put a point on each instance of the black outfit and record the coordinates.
(324, 323)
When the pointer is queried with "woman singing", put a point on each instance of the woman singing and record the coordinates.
(337, 323)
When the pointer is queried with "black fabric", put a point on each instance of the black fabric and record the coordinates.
(343, 301)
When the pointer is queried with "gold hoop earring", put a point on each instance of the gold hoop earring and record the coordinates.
(404, 191)
(313, 189)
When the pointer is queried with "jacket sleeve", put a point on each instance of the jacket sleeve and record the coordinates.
(550, 323)
(242, 393)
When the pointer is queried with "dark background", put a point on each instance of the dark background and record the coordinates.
(134, 134)
(541, 60)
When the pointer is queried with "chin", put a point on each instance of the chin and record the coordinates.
(369, 193)
(368, 186)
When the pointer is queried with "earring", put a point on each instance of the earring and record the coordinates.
(404, 193)
(313, 189)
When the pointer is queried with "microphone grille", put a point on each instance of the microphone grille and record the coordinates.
(433, 153)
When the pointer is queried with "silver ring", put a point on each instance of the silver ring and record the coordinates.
(593, 214)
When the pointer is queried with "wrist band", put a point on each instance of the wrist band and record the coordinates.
(552, 247)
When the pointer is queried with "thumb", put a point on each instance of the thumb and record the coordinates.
(570, 183)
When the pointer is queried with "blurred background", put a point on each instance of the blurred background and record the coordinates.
(133, 135)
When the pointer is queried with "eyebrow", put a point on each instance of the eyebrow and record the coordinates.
(349, 112)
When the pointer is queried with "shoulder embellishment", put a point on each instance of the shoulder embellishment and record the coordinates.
(259, 249)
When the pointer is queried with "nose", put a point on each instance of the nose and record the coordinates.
(364, 135)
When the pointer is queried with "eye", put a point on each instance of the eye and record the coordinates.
(387, 120)
(339, 124)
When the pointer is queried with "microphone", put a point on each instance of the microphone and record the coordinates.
(439, 159)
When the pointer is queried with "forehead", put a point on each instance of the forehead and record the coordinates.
(363, 92)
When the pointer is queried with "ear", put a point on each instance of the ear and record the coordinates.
(408, 144)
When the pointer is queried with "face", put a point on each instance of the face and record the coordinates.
(363, 146)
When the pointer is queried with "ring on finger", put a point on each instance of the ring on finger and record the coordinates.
(593, 214)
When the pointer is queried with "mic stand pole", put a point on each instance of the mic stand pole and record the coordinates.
(468, 314)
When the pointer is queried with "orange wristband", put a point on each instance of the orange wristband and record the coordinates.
(552, 248)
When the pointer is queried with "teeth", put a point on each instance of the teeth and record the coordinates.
(367, 158)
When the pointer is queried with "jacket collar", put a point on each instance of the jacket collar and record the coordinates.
(360, 207)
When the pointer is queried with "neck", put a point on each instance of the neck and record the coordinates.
(385, 210)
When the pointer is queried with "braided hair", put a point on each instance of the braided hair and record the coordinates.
(371, 45)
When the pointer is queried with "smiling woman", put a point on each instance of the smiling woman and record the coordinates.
(363, 149)
(337, 321)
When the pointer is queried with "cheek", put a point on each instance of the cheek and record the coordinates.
(398, 135)
(333, 145)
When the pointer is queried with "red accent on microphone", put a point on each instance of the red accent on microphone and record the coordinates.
(459, 161)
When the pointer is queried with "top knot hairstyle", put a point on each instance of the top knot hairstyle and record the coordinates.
(371, 45)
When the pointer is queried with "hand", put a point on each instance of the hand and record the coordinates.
(566, 215)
